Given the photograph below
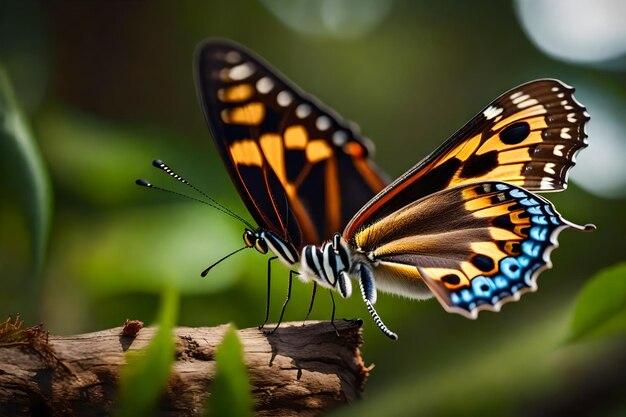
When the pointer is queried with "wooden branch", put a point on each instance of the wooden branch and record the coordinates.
(298, 370)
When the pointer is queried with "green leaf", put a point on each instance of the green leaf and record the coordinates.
(23, 166)
(601, 306)
(230, 390)
(145, 374)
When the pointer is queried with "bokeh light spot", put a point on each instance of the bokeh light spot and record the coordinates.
(584, 31)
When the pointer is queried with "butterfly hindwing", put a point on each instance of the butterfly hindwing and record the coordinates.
(528, 137)
(523, 230)
(287, 153)
(475, 246)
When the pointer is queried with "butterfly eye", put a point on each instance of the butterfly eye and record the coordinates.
(261, 246)
(249, 238)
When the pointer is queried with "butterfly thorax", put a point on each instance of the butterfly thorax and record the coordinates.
(263, 241)
(329, 265)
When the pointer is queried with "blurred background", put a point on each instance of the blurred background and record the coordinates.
(105, 87)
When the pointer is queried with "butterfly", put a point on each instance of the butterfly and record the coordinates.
(300, 168)
(463, 225)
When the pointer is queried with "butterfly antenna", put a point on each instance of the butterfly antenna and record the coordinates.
(147, 184)
(157, 163)
(206, 271)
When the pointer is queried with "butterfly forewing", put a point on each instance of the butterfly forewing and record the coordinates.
(300, 168)
(528, 137)
(475, 246)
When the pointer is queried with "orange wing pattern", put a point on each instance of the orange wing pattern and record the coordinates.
(528, 137)
(301, 169)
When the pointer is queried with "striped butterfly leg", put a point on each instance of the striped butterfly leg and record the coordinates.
(308, 313)
(368, 291)
(269, 285)
(334, 263)
(342, 281)
(282, 311)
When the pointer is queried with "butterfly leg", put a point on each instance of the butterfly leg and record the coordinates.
(332, 315)
(368, 291)
(282, 312)
(269, 282)
(311, 303)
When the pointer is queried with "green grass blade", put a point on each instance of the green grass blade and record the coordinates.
(146, 372)
(25, 171)
(601, 306)
(230, 390)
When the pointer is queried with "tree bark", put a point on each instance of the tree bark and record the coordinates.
(298, 370)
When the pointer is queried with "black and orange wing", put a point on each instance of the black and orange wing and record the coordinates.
(300, 168)
(528, 137)
(474, 246)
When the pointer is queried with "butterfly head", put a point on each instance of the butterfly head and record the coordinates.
(255, 240)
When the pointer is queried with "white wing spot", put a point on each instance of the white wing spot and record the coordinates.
(264, 85)
(527, 103)
(241, 72)
(492, 112)
(340, 137)
(322, 123)
(232, 57)
(571, 117)
(303, 110)
(284, 98)
(558, 150)
(516, 95)
(549, 168)
(560, 95)
(555, 89)
(547, 184)
(519, 99)
(564, 132)
(568, 107)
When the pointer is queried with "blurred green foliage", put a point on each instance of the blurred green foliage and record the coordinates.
(601, 306)
(108, 86)
(230, 390)
(143, 377)
(23, 172)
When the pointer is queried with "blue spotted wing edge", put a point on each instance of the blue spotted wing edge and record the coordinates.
(539, 244)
